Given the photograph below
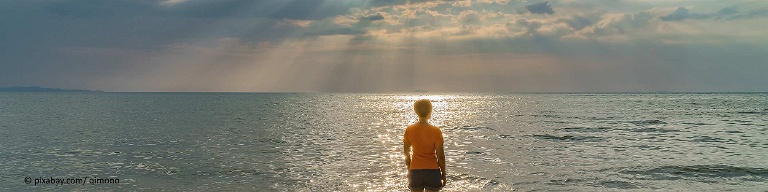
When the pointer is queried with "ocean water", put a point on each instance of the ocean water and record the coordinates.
(351, 142)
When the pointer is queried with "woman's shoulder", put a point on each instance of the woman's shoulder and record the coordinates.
(436, 128)
(412, 126)
(424, 125)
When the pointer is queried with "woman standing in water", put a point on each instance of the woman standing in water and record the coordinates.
(426, 167)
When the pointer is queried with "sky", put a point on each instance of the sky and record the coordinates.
(386, 45)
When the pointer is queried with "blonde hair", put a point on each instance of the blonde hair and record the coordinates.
(422, 107)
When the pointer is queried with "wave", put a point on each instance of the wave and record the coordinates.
(471, 128)
(649, 130)
(648, 122)
(699, 171)
(569, 138)
(505, 136)
(586, 129)
(485, 182)
(686, 123)
(615, 184)
(708, 139)
(753, 112)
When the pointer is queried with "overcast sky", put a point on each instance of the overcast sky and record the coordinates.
(385, 45)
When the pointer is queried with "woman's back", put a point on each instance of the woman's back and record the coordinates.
(423, 137)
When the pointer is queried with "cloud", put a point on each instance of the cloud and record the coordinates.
(728, 13)
(172, 2)
(529, 26)
(277, 9)
(500, 2)
(747, 15)
(469, 17)
(375, 45)
(540, 8)
(149, 24)
(681, 13)
(578, 22)
(380, 3)
(335, 31)
(620, 24)
(463, 3)
(374, 17)
(299, 23)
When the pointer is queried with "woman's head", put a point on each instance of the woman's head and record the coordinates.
(423, 108)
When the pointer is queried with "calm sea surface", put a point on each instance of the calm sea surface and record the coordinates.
(345, 142)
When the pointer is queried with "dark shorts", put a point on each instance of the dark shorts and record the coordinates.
(421, 179)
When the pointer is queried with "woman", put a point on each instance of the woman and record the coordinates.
(426, 168)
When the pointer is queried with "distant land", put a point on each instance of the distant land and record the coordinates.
(41, 89)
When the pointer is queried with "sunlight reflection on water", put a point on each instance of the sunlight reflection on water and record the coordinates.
(345, 142)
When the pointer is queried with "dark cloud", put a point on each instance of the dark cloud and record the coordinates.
(540, 8)
(378, 3)
(151, 24)
(43, 41)
(96, 8)
(277, 9)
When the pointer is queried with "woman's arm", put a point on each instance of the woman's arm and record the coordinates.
(407, 153)
(441, 160)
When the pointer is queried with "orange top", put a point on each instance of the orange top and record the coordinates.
(423, 138)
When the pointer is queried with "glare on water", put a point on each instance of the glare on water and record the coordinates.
(346, 142)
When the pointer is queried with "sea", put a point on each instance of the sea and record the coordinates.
(353, 142)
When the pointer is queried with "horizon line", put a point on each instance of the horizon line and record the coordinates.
(40, 89)
(451, 92)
